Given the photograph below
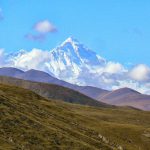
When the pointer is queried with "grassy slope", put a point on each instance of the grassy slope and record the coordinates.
(28, 121)
(52, 91)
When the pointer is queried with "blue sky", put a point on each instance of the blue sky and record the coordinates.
(117, 30)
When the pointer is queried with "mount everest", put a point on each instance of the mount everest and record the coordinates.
(71, 61)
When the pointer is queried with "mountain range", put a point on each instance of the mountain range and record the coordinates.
(52, 91)
(40, 76)
(71, 61)
(120, 97)
(74, 66)
(74, 63)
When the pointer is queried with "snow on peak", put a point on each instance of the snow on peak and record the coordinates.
(71, 40)
(71, 58)
(76, 52)
(70, 44)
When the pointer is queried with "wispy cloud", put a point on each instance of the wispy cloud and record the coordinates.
(42, 29)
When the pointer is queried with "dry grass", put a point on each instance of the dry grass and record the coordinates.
(30, 122)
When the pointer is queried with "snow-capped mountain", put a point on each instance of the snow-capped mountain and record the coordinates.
(71, 59)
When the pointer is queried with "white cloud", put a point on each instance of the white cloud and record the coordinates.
(2, 57)
(140, 87)
(31, 60)
(113, 67)
(140, 73)
(1, 52)
(44, 27)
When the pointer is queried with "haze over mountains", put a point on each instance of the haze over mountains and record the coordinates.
(120, 97)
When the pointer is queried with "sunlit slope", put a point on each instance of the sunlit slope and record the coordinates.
(28, 121)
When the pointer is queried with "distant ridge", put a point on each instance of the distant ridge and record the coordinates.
(120, 97)
(10, 71)
(127, 97)
(40, 76)
(52, 91)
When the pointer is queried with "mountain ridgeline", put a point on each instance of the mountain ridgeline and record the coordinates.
(120, 97)
(40, 76)
(52, 91)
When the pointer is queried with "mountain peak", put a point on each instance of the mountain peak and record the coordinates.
(72, 41)
(127, 90)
